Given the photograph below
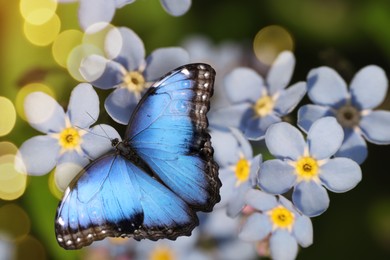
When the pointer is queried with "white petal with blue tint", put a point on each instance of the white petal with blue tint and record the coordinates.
(369, 87)
(121, 3)
(285, 141)
(120, 105)
(325, 138)
(102, 73)
(290, 98)
(276, 176)
(243, 144)
(340, 174)
(310, 113)
(326, 87)
(303, 231)
(255, 128)
(283, 245)
(97, 141)
(260, 200)
(124, 46)
(68, 166)
(354, 146)
(310, 198)
(83, 108)
(230, 116)
(257, 227)
(95, 11)
(281, 71)
(163, 60)
(176, 7)
(375, 127)
(39, 154)
(225, 147)
(44, 113)
(244, 85)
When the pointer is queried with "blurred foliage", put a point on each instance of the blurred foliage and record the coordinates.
(343, 34)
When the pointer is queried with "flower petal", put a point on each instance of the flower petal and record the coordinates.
(69, 165)
(44, 113)
(290, 98)
(83, 108)
(244, 85)
(39, 154)
(260, 200)
(257, 227)
(276, 176)
(340, 174)
(283, 245)
(369, 87)
(280, 72)
(98, 140)
(243, 144)
(121, 3)
(354, 146)
(325, 138)
(255, 128)
(326, 87)
(285, 141)
(225, 147)
(125, 47)
(303, 231)
(102, 73)
(164, 60)
(308, 114)
(230, 116)
(176, 7)
(237, 203)
(120, 104)
(310, 198)
(375, 127)
(95, 11)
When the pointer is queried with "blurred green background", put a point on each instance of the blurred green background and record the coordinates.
(344, 34)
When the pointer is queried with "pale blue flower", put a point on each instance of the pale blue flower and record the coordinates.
(275, 219)
(308, 166)
(98, 11)
(353, 108)
(69, 142)
(238, 168)
(126, 69)
(257, 103)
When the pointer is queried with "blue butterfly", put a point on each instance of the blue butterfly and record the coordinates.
(157, 178)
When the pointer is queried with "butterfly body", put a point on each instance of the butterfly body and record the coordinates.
(157, 178)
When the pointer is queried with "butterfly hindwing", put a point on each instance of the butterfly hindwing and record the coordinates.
(169, 132)
(113, 197)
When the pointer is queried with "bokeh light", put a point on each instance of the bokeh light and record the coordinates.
(38, 12)
(64, 44)
(12, 183)
(270, 41)
(44, 34)
(14, 222)
(96, 34)
(77, 55)
(25, 91)
(53, 187)
(30, 248)
(8, 116)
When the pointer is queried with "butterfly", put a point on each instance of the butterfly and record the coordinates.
(155, 180)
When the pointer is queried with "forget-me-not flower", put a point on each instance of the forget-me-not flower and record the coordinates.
(69, 142)
(257, 103)
(308, 165)
(126, 70)
(237, 168)
(353, 108)
(276, 219)
(97, 11)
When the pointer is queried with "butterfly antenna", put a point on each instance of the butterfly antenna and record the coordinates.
(94, 119)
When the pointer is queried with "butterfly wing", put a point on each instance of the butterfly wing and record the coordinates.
(168, 131)
(113, 197)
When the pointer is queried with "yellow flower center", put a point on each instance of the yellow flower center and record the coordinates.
(134, 81)
(69, 138)
(264, 106)
(281, 217)
(306, 168)
(242, 171)
(348, 116)
(162, 253)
